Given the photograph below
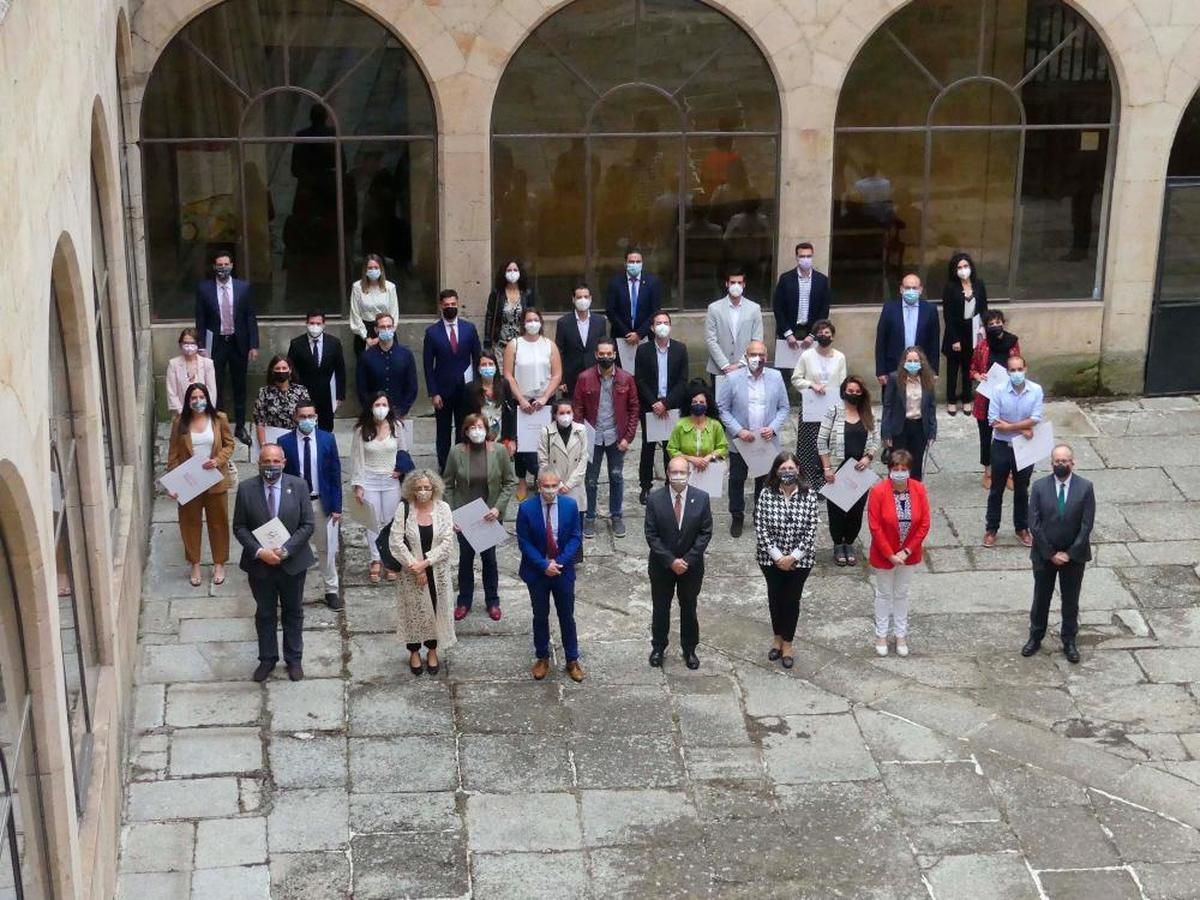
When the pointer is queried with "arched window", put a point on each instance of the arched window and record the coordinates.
(110, 417)
(300, 135)
(979, 126)
(637, 123)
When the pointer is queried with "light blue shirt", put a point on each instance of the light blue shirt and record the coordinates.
(1013, 407)
(912, 315)
(661, 354)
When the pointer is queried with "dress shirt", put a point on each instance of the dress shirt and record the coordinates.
(1066, 486)
(301, 437)
(682, 495)
(804, 292)
(584, 324)
(226, 309)
(1015, 407)
(550, 511)
(606, 416)
(757, 386)
(634, 296)
(271, 495)
(317, 346)
(662, 367)
(912, 315)
(450, 326)
(735, 316)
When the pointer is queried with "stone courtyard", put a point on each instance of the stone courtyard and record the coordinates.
(963, 771)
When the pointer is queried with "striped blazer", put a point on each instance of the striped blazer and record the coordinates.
(831, 439)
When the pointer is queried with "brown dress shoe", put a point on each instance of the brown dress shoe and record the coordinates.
(989, 539)
(1025, 538)
(540, 668)
(575, 671)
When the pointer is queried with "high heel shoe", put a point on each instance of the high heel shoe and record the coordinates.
(433, 668)
(418, 668)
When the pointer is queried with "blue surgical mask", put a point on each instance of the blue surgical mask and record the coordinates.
(633, 269)
(910, 295)
(385, 335)
(487, 371)
(912, 368)
(374, 274)
(1016, 378)
(307, 426)
(900, 476)
(198, 406)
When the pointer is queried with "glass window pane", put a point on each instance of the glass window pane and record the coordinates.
(597, 37)
(943, 36)
(1073, 86)
(977, 103)
(288, 114)
(326, 38)
(538, 94)
(386, 94)
(733, 92)
(245, 39)
(1179, 259)
(185, 97)
(1185, 152)
(676, 38)
(636, 108)
(884, 87)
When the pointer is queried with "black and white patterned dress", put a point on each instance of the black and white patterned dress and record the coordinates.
(787, 524)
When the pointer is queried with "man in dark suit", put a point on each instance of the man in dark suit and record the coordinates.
(451, 356)
(312, 456)
(660, 369)
(907, 322)
(549, 536)
(1062, 508)
(802, 296)
(276, 574)
(633, 298)
(318, 364)
(228, 330)
(678, 528)
(577, 334)
(387, 366)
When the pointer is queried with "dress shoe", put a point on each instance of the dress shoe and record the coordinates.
(774, 653)
(643, 495)
(656, 659)
(460, 613)
(295, 671)
(575, 671)
(989, 539)
(735, 527)
(494, 613)
(1032, 646)
(1025, 537)
(540, 668)
(589, 528)
(1071, 651)
(333, 601)
(434, 668)
(263, 672)
(787, 662)
(618, 527)
(242, 435)
(691, 660)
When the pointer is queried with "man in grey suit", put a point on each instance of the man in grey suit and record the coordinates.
(730, 325)
(753, 404)
(1062, 508)
(276, 575)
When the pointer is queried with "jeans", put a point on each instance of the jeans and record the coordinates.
(616, 479)
(466, 575)
(891, 600)
(1004, 463)
(737, 484)
(563, 590)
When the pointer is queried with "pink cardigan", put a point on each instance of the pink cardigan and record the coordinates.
(178, 381)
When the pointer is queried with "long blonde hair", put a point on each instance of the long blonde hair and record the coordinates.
(366, 283)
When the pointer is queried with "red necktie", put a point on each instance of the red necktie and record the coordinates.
(678, 509)
(551, 543)
(453, 338)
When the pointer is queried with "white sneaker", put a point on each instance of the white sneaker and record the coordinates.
(881, 649)
(901, 647)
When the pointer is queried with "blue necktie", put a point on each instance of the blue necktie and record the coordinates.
(633, 292)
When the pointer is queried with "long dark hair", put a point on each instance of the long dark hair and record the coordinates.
(186, 414)
(366, 424)
(773, 476)
(502, 282)
(699, 386)
(864, 408)
(952, 269)
(276, 360)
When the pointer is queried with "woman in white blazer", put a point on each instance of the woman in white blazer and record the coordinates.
(821, 369)
(371, 295)
(189, 368)
(563, 446)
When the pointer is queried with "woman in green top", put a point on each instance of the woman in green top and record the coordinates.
(697, 438)
(478, 469)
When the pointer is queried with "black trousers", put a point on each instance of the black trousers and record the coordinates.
(913, 439)
(958, 368)
(664, 586)
(1070, 581)
(323, 401)
(225, 355)
(449, 423)
(646, 462)
(738, 473)
(275, 590)
(985, 442)
(783, 599)
(845, 525)
(1004, 463)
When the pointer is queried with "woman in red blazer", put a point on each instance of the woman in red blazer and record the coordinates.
(898, 516)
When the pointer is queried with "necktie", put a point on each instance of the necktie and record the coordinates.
(226, 310)
(308, 463)
(678, 510)
(272, 503)
(317, 351)
(453, 338)
(551, 543)
(1062, 498)
(633, 292)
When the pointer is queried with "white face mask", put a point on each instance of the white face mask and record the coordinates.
(678, 480)
(583, 304)
(189, 349)
(964, 273)
(424, 495)
(379, 412)
(533, 326)
(662, 330)
(565, 420)
(316, 330)
(512, 276)
(476, 435)
(549, 493)
(735, 290)
(754, 362)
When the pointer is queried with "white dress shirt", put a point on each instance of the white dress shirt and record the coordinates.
(756, 385)
(312, 446)
(584, 324)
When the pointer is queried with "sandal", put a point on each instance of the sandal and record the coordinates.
(373, 574)
(389, 575)
(194, 579)
(848, 555)
(219, 581)
(839, 555)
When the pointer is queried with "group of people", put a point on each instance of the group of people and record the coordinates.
(482, 381)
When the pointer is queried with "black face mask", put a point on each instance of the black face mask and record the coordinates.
(852, 399)
(824, 339)
(280, 377)
(605, 362)
(1062, 470)
(699, 409)
(995, 332)
(450, 313)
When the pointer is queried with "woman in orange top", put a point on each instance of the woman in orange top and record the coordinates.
(898, 516)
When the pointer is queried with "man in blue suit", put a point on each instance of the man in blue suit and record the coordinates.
(451, 356)
(388, 366)
(907, 322)
(312, 455)
(228, 331)
(633, 297)
(549, 535)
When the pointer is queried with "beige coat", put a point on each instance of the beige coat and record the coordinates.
(570, 461)
(418, 622)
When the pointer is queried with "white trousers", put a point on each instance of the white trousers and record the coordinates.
(382, 493)
(326, 561)
(891, 600)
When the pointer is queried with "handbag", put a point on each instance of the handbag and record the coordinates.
(383, 543)
(231, 476)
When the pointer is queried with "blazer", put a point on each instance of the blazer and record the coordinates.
(831, 438)
(784, 527)
(953, 302)
(394, 372)
(1072, 531)
(625, 401)
(501, 477)
(712, 438)
(315, 377)
(981, 360)
(576, 354)
(733, 402)
(443, 367)
(894, 413)
(493, 316)
(178, 381)
(688, 540)
(645, 373)
(296, 514)
(417, 618)
(889, 336)
(724, 347)
(179, 450)
(885, 527)
(616, 305)
(531, 536)
(786, 302)
(329, 466)
(571, 460)
(208, 316)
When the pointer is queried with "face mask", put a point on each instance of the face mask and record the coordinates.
(307, 426)
(549, 493)
(512, 276)
(679, 480)
(373, 274)
(1062, 470)
(1016, 378)
(735, 290)
(912, 368)
(804, 263)
(995, 331)
(754, 362)
(533, 326)
(385, 335)
(565, 420)
(605, 362)
(662, 330)
(853, 399)
(198, 405)
(189, 349)
(964, 273)
(788, 477)
(824, 340)
(316, 330)
(450, 313)
(424, 494)
(380, 412)
(280, 377)
(476, 435)
(900, 476)
(270, 473)
(633, 270)
(583, 304)
(224, 272)
(910, 295)
(487, 371)
(699, 409)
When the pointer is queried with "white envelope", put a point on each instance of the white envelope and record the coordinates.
(271, 535)
(785, 356)
(477, 530)
(848, 486)
(759, 455)
(660, 429)
(190, 479)
(711, 480)
(529, 428)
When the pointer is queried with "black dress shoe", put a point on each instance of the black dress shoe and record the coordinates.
(333, 601)
(242, 435)
(642, 496)
(295, 671)
(656, 659)
(1032, 646)
(692, 660)
(787, 662)
(263, 672)
(1071, 651)
(735, 527)
(774, 653)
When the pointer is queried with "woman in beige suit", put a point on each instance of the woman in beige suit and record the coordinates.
(188, 368)
(563, 447)
(421, 539)
(199, 430)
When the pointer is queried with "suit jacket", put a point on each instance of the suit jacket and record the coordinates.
(501, 477)
(329, 466)
(394, 372)
(725, 347)
(443, 367)
(733, 402)
(531, 536)
(178, 381)
(617, 306)
(208, 316)
(295, 512)
(889, 336)
(571, 460)
(315, 378)
(625, 401)
(786, 302)
(576, 354)
(688, 540)
(1072, 531)
(894, 412)
(885, 527)
(953, 302)
(179, 450)
(645, 373)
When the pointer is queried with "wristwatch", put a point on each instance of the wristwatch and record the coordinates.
(282, 553)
